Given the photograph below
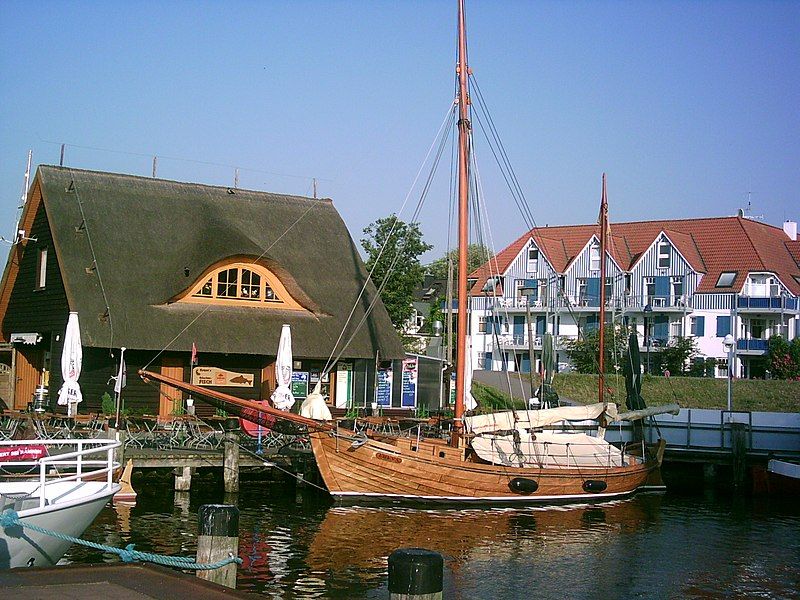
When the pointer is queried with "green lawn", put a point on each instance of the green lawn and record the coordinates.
(688, 392)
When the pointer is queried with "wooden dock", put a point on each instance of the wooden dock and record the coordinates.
(117, 581)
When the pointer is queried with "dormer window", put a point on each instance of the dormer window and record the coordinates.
(243, 284)
(533, 260)
(726, 279)
(664, 248)
(594, 257)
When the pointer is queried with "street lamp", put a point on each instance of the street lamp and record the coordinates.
(729, 343)
(648, 310)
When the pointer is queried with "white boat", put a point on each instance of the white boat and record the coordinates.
(63, 491)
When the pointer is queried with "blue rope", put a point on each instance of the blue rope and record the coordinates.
(128, 554)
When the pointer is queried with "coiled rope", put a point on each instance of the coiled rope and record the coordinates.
(128, 554)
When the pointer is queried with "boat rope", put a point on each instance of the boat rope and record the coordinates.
(128, 554)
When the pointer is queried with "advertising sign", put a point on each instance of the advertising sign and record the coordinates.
(383, 395)
(300, 384)
(214, 377)
(408, 396)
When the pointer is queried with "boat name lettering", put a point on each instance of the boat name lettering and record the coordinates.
(389, 457)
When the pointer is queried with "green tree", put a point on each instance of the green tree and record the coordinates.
(584, 354)
(677, 357)
(393, 249)
(783, 358)
(477, 254)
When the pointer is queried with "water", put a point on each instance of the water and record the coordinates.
(673, 545)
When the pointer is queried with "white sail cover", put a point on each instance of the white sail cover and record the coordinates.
(71, 361)
(548, 449)
(314, 407)
(527, 419)
(282, 397)
(469, 400)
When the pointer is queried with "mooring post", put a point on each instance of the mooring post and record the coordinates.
(739, 450)
(230, 458)
(415, 574)
(183, 479)
(218, 539)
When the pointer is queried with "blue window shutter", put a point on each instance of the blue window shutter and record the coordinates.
(593, 291)
(701, 326)
(662, 286)
(592, 323)
(519, 325)
(723, 326)
(661, 327)
(539, 325)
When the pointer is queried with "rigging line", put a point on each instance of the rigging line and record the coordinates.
(507, 160)
(180, 159)
(524, 210)
(329, 364)
(479, 195)
(396, 256)
(94, 260)
(255, 261)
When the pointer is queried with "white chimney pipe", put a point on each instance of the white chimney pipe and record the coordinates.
(790, 229)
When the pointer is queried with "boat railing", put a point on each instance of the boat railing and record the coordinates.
(84, 469)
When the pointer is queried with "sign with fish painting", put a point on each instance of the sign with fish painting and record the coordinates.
(216, 377)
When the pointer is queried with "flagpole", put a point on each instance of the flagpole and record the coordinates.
(118, 385)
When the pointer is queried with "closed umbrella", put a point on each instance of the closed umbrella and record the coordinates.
(469, 400)
(71, 358)
(282, 397)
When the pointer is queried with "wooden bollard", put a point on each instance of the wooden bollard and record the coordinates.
(739, 452)
(218, 539)
(230, 457)
(415, 574)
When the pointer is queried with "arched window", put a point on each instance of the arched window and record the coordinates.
(242, 284)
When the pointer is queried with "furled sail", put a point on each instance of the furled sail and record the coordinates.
(547, 449)
(527, 419)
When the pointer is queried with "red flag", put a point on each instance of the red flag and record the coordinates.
(194, 354)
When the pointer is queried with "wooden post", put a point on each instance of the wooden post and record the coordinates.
(415, 574)
(218, 539)
(739, 451)
(183, 479)
(230, 460)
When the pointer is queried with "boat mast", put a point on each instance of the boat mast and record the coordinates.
(602, 316)
(463, 224)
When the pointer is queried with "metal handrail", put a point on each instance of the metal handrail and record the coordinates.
(98, 446)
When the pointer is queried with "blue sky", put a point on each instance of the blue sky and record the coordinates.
(688, 106)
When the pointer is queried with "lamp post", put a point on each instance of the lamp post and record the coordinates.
(728, 342)
(648, 310)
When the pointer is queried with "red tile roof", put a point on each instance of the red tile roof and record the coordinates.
(710, 246)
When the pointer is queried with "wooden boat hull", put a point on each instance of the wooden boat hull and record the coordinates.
(430, 471)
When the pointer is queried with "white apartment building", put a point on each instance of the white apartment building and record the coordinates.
(703, 278)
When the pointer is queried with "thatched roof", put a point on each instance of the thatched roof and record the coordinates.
(152, 239)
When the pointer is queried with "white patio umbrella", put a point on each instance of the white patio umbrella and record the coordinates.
(469, 399)
(71, 359)
(282, 397)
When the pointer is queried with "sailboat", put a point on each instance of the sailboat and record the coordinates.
(511, 457)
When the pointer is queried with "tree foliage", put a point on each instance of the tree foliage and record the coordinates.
(477, 254)
(783, 358)
(678, 356)
(393, 248)
(584, 352)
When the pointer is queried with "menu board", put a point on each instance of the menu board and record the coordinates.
(383, 395)
(299, 384)
(408, 396)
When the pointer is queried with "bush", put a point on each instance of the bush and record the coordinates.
(107, 404)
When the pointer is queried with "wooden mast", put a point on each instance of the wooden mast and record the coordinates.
(463, 224)
(602, 316)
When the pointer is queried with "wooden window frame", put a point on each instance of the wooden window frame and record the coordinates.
(281, 299)
(41, 269)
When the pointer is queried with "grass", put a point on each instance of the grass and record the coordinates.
(688, 392)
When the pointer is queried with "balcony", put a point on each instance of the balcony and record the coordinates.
(766, 304)
(520, 342)
(751, 346)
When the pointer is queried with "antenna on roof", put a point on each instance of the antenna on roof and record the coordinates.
(19, 234)
(236, 178)
(314, 182)
(155, 166)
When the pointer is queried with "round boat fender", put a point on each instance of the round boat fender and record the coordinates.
(594, 485)
(521, 485)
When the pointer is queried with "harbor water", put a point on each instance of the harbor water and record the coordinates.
(679, 544)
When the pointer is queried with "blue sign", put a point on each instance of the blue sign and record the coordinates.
(408, 397)
(383, 396)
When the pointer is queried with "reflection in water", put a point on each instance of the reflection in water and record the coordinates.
(651, 546)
